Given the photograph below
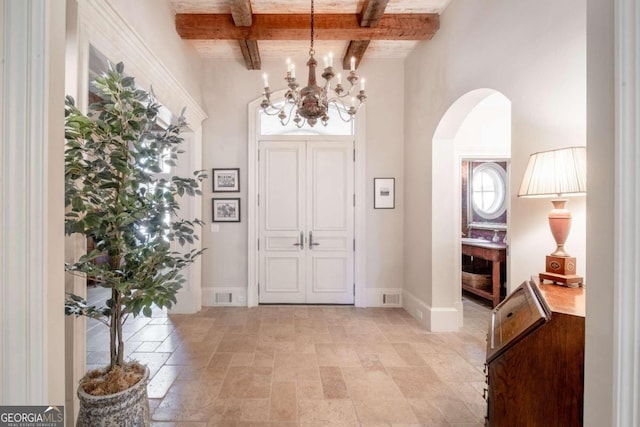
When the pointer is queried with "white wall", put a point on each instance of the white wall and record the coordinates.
(227, 90)
(535, 54)
(486, 130)
(600, 399)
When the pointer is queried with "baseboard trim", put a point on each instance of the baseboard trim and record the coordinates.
(434, 319)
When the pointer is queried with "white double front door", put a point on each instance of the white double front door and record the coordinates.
(306, 222)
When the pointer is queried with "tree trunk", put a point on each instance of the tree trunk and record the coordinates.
(120, 339)
(113, 328)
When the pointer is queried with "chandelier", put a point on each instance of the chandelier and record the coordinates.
(311, 103)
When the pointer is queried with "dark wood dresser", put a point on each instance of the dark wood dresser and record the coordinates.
(535, 358)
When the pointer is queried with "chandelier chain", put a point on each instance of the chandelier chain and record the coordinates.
(312, 24)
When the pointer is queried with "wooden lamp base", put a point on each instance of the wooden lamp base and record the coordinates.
(561, 270)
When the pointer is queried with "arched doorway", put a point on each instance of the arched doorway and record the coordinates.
(477, 125)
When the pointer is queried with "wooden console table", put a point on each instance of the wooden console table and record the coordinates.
(494, 252)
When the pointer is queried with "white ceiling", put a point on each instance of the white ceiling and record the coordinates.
(229, 49)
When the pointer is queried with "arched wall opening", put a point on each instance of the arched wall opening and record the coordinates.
(478, 126)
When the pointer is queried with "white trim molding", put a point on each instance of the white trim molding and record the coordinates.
(434, 319)
(76, 85)
(626, 352)
(31, 194)
(117, 40)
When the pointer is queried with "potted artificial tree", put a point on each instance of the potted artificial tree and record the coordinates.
(116, 196)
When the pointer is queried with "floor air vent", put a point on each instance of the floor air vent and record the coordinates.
(391, 299)
(223, 297)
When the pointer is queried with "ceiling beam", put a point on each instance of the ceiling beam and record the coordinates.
(296, 27)
(241, 13)
(372, 12)
(243, 17)
(251, 54)
(356, 49)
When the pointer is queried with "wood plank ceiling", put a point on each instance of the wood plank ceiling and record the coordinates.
(277, 28)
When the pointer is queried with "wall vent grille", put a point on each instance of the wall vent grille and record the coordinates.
(223, 297)
(391, 299)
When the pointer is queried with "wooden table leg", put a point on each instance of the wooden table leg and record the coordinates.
(496, 282)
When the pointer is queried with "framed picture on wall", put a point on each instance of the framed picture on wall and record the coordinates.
(225, 210)
(226, 180)
(384, 193)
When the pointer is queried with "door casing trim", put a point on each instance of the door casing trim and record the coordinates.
(253, 212)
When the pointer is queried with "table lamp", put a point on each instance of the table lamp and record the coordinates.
(557, 174)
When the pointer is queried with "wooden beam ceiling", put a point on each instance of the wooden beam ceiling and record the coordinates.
(296, 27)
(372, 12)
(242, 17)
(360, 29)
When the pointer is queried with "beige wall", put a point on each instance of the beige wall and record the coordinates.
(154, 21)
(228, 88)
(535, 54)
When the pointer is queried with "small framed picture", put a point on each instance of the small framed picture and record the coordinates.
(226, 180)
(225, 210)
(384, 193)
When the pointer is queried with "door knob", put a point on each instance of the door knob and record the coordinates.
(301, 243)
(311, 243)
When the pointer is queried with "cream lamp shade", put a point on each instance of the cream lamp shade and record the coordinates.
(556, 173)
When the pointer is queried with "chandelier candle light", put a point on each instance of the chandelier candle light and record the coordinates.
(312, 101)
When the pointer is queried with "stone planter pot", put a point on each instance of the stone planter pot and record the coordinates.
(129, 408)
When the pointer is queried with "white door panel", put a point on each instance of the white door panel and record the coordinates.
(330, 207)
(282, 188)
(328, 274)
(329, 186)
(283, 278)
(306, 222)
(282, 219)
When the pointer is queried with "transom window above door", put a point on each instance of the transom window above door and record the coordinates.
(271, 125)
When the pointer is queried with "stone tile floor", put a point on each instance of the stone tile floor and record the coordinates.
(305, 366)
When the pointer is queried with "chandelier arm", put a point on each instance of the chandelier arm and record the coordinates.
(282, 121)
(270, 109)
(340, 107)
(345, 93)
